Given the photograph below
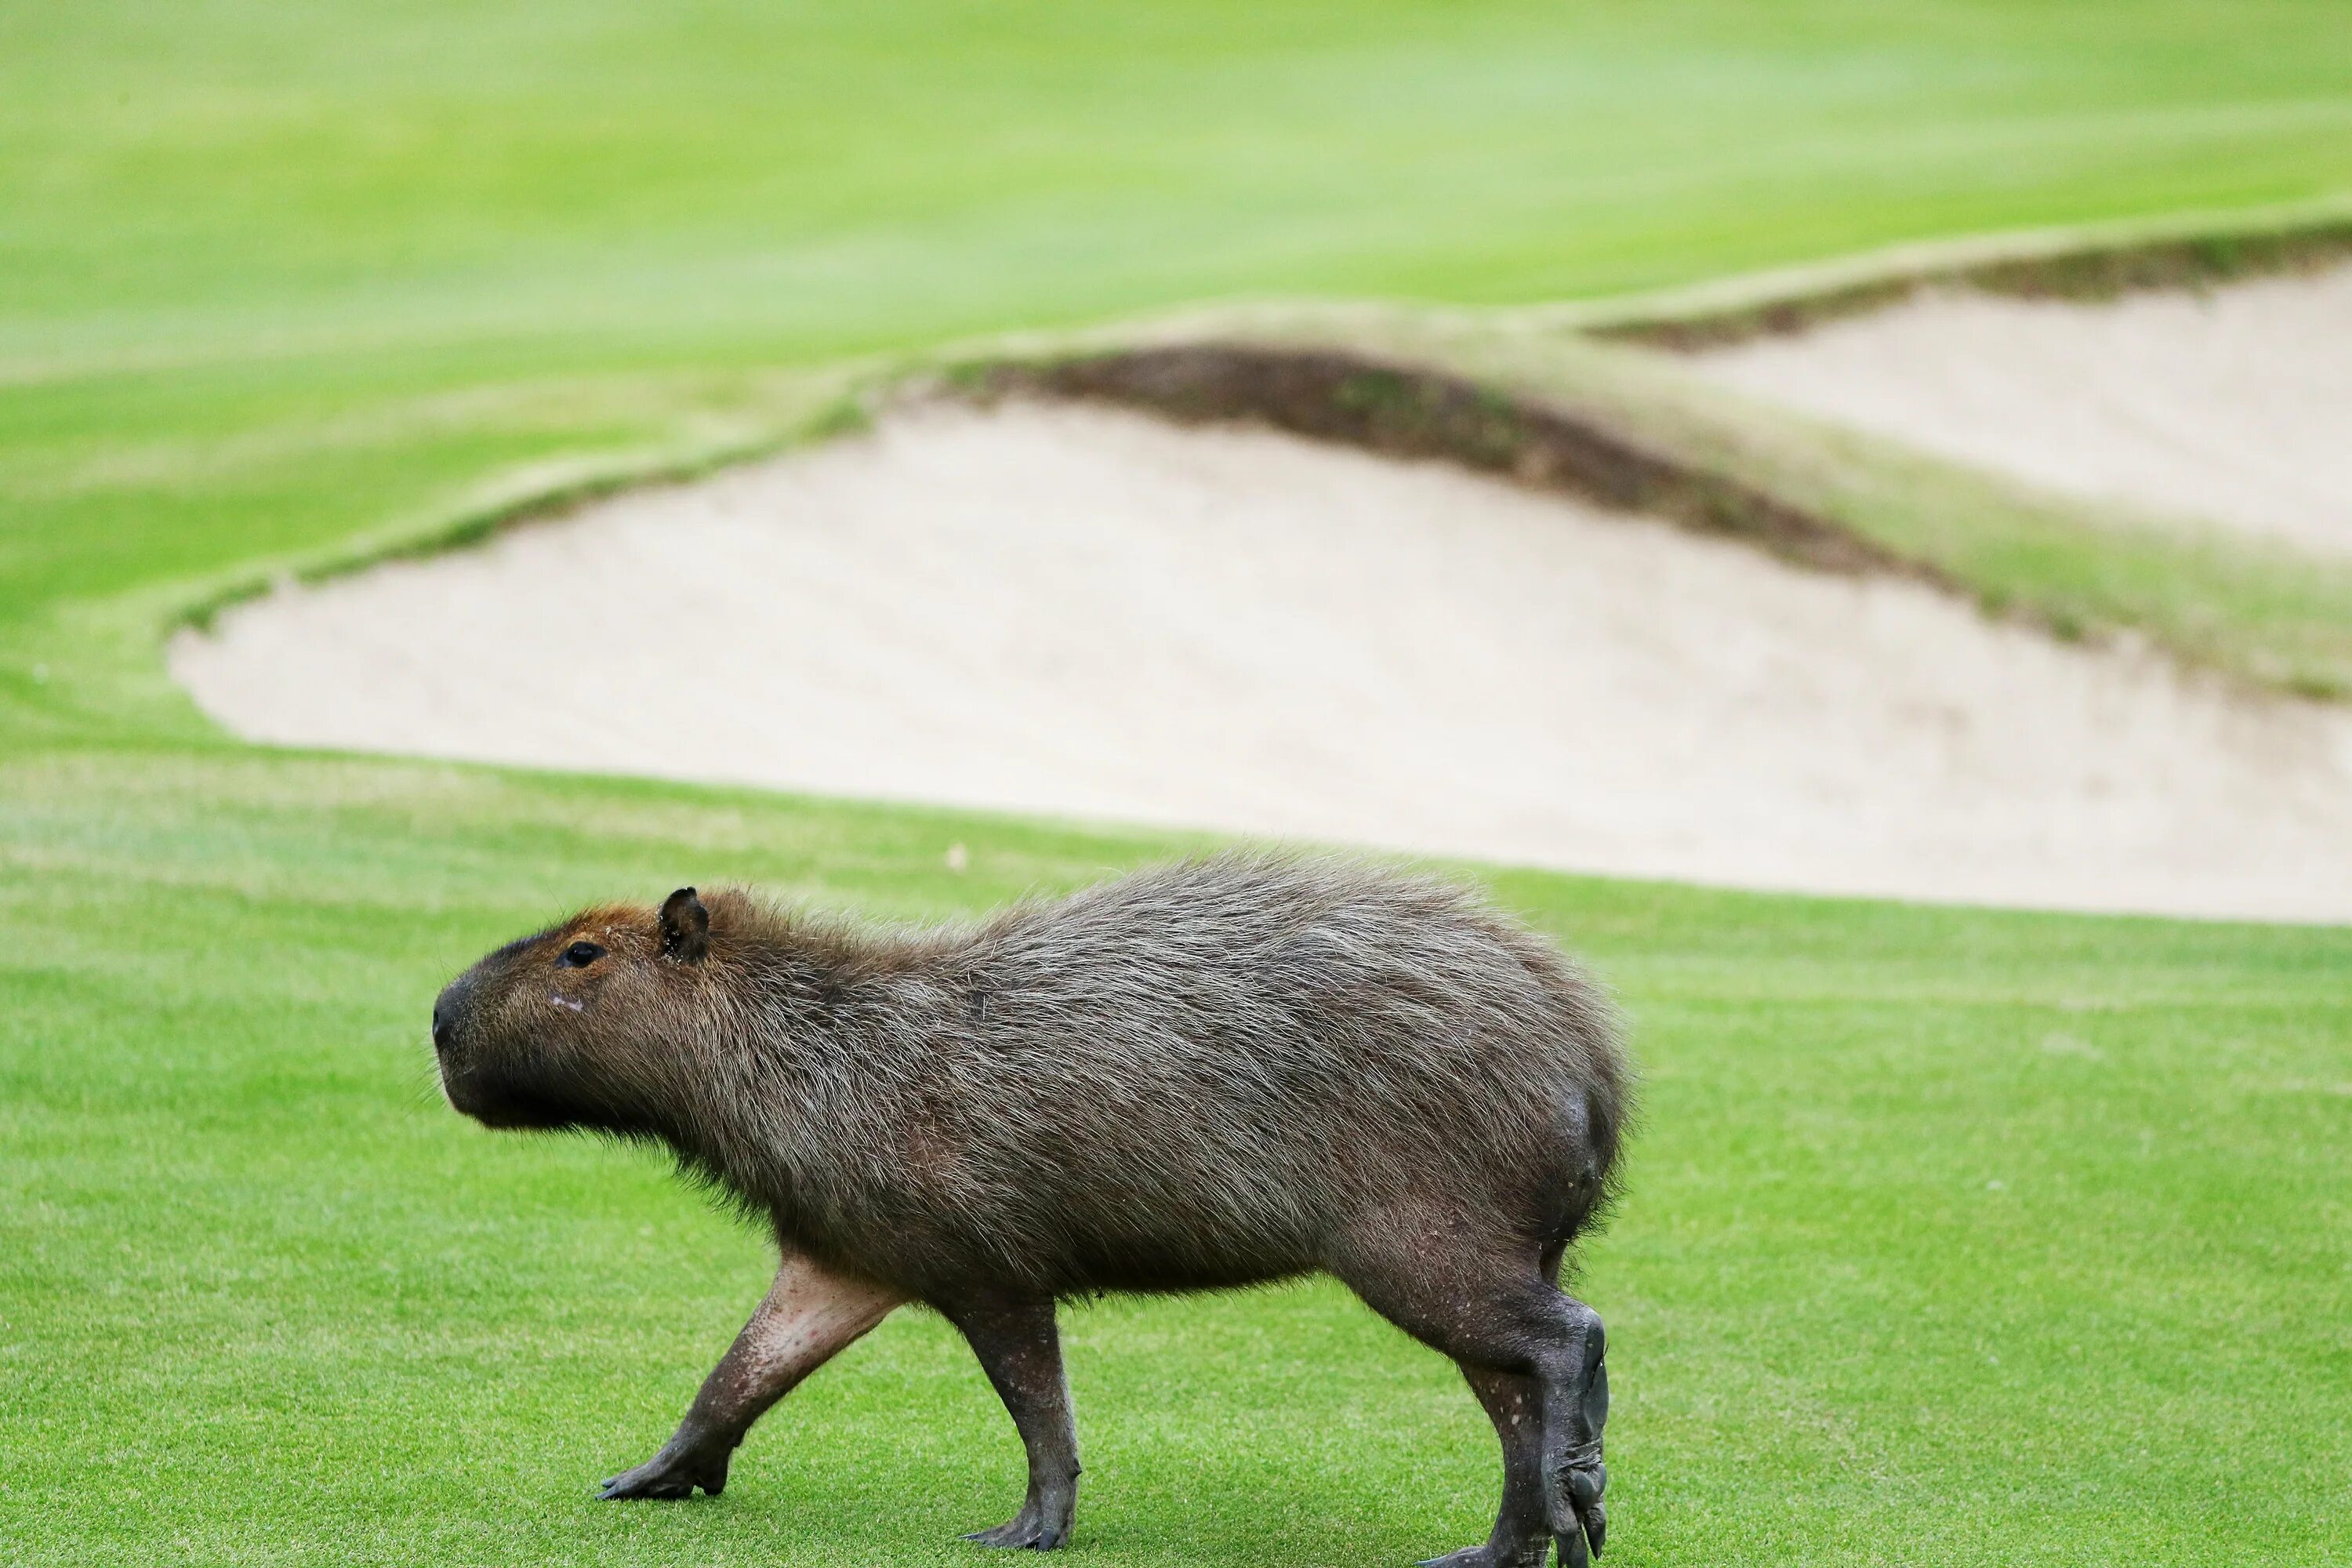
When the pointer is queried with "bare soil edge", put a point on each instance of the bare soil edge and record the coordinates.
(1407, 410)
(2074, 265)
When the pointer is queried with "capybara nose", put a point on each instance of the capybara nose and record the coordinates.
(448, 1008)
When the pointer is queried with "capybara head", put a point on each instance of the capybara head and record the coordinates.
(564, 1029)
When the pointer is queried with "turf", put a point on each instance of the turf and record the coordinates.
(1954, 1236)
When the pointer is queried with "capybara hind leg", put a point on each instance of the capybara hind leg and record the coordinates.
(809, 1316)
(1522, 1532)
(1575, 1376)
(1487, 1305)
(1021, 1350)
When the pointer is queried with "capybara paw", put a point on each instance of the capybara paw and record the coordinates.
(1579, 1486)
(645, 1481)
(1578, 1518)
(1529, 1553)
(668, 1475)
(1036, 1528)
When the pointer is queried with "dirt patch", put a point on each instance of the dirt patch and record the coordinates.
(2091, 272)
(1409, 410)
(1085, 611)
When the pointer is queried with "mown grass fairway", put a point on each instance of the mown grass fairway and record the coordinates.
(1953, 1237)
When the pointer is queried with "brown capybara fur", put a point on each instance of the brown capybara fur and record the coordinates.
(1226, 1071)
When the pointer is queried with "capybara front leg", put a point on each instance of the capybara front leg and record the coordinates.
(809, 1315)
(1522, 1533)
(1021, 1350)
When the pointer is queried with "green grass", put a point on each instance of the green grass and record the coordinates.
(1954, 1236)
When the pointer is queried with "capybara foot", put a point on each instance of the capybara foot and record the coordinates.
(1574, 1476)
(1040, 1527)
(1580, 1484)
(673, 1472)
(1528, 1554)
(1585, 1486)
(1577, 1476)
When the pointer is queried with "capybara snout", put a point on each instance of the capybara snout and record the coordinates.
(572, 1026)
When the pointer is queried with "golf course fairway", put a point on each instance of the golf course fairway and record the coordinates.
(1951, 1235)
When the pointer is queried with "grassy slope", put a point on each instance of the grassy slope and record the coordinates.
(250, 255)
(273, 278)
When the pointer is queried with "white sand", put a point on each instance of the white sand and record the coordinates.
(1080, 611)
(2233, 407)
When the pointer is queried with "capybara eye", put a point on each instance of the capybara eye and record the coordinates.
(580, 956)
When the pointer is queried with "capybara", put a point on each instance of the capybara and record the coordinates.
(1237, 1069)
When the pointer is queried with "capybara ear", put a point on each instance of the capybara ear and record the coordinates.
(686, 927)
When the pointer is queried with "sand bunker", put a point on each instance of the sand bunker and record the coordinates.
(2234, 406)
(1081, 611)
